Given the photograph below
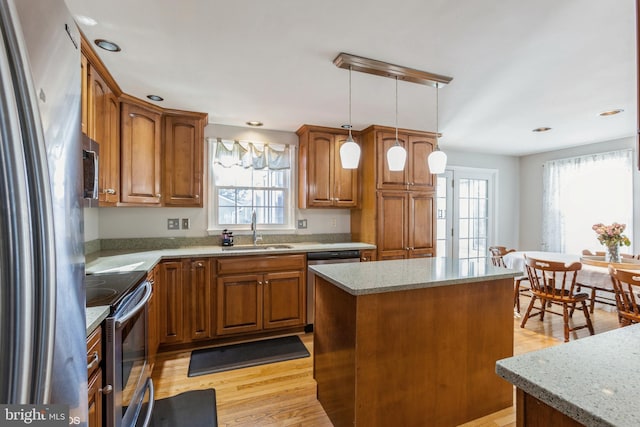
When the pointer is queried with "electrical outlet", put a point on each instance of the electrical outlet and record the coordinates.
(185, 223)
(173, 224)
(302, 223)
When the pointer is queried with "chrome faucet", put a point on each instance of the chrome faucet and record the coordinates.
(254, 228)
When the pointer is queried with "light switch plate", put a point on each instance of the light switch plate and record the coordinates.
(302, 223)
(173, 224)
(185, 223)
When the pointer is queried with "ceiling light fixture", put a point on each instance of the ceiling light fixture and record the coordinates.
(611, 112)
(437, 160)
(155, 98)
(107, 45)
(396, 155)
(541, 129)
(350, 150)
(255, 123)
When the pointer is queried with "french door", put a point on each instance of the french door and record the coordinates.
(465, 213)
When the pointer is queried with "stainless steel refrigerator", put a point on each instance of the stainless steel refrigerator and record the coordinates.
(42, 302)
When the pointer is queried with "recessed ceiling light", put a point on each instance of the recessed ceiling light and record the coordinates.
(255, 123)
(541, 129)
(346, 127)
(611, 112)
(155, 98)
(107, 45)
(86, 20)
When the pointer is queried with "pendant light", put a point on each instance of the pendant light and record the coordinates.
(437, 160)
(350, 151)
(397, 155)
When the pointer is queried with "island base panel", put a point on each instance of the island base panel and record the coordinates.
(531, 412)
(413, 357)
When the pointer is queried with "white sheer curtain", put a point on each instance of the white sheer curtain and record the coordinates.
(252, 155)
(582, 191)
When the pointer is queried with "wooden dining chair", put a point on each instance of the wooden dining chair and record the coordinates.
(555, 283)
(497, 253)
(626, 285)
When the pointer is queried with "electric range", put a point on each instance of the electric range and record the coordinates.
(111, 288)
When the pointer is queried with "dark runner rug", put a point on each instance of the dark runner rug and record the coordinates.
(195, 408)
(226, 358)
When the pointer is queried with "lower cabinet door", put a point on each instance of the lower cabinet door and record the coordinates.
(95, 399)
(239, 304)
(284, 299)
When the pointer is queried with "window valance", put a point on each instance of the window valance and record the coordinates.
(251, 155)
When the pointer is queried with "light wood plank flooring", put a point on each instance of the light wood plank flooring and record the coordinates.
(284, 394)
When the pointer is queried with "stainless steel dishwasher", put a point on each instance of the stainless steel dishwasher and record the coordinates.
(326, 257)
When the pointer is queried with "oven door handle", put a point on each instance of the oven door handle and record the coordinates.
(121, 318)
(147, 417)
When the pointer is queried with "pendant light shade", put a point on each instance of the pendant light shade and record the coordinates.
(350, 151)
(437, 160)
(396, 158)
(396, 155)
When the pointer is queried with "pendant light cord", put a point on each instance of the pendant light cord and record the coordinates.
(397, 143)
(350, 137)
(437, 117)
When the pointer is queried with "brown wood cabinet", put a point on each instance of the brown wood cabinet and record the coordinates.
(84, 95)
(94, 375)
(260, 293)
(531, 412)
(322, 182)
(416, 175)
(397, 210)
(405, 226)
(140, 171)
(367, 255)
(186, 292)
(183, 160)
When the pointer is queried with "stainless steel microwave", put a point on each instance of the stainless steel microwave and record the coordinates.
(90, 156)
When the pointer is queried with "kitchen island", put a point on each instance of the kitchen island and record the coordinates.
(412, 342)
(592, 381)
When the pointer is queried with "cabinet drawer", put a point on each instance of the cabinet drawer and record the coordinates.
(261, 264)
(94, 351)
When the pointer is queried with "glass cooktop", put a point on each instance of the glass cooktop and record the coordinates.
(110, 288)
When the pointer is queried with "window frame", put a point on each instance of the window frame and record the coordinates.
(214, 228)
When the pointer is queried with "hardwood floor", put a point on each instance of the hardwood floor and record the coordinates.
(284, 394)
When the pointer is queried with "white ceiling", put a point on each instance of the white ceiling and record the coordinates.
(516, 65)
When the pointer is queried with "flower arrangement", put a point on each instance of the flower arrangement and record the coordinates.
(610, 235)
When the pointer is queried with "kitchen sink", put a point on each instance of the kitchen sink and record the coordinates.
(255, 248)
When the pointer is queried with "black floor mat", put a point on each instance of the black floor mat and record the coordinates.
(195, 408)
(219, 359)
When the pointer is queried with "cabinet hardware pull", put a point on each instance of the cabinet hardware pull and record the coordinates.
(197, 196)
(110, 191)
(199, 264)
(106, 389)
(158, 195)
(94, 362)
(266, 282)
(259, 282)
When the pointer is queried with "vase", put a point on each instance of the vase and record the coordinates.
(613, 254)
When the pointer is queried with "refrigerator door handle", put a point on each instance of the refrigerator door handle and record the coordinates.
(38, 287)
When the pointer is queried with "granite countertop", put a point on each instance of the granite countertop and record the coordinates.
(594, 380)
(385, 276)
(95, 316)
(146, 260)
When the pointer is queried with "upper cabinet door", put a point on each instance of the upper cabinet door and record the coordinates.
(320, 172)
(419, 148)
(346, 190)
(390, 180)
(97, 106)
(140, 145)
(183, 159)
(109, 171)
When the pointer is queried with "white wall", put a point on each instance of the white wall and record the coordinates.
(508, 195)
(531, 173)
(91, 224)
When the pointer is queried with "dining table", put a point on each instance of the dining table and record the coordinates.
(596, 278)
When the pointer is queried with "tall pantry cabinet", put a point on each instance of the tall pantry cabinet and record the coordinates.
(397, 211)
